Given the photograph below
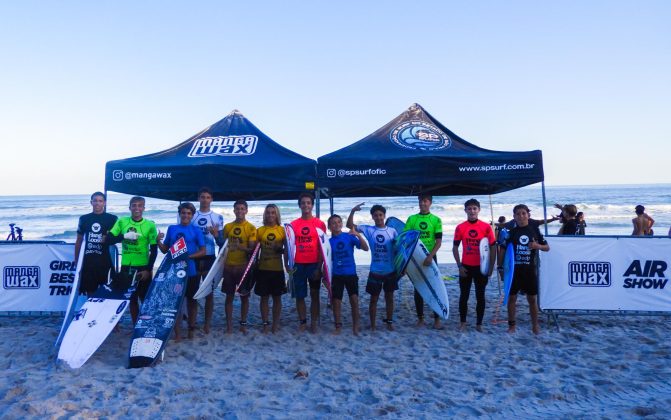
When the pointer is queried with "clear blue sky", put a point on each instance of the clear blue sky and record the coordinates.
(81, 83)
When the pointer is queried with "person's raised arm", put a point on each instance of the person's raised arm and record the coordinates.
(350, 219)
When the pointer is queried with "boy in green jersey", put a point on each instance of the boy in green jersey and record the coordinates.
(431, 234)
(138, 248)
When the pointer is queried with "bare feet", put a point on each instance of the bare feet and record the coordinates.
(276, 327)
(302, 326)
(436, 324)
(372, 327)
(313, 327)
(206, 328)
(478, 328)
(462, 327)
(243, 327)
(511, 327)
(536, 329)
(338, 328)
(191, 332)
(266, 327)
(420, 322)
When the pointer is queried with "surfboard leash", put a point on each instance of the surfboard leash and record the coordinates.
(249, 266)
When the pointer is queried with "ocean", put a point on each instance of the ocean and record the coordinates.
(608, 210)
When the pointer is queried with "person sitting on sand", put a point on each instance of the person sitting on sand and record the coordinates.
(308, 262)
(212, 226)
(382, 275)
(642, 222)
(430, 228)
(344, 270)
(469, 234)
(526, 240)
(138, 252)
(195, 247)
(270, 273)
(241, 237)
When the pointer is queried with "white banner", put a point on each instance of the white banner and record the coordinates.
(36, 277)
(606, 273)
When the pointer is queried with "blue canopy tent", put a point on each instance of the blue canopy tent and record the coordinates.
(415, 153)
(232, 157)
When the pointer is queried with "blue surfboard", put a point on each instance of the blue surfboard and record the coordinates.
(160, 308)
(404, 246)
(508, 271)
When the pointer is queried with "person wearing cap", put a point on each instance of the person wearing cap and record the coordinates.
(642, 222)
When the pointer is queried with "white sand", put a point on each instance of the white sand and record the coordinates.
(609, 367)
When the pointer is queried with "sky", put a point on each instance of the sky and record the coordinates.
(82, 83)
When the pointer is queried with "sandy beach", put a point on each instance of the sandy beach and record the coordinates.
(608, 367)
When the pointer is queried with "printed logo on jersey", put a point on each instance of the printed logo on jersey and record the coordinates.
(305, 231)
(224, 146)
(589, 274)
(21, 277)
(379, 239)
(524, 239)
(237, 231)
(178, 248)
(340, 246)
(423, 225)
(271, 237)
(648, 274)
(202, 222)
(95, 227)
(419, 135)
(472, 233)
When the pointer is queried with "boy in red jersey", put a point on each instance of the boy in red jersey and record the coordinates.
(469, 234)
(308, 262)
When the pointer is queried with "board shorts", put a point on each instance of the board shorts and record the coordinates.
(91, 277)
(125, 279)
(233, 275)
(192, 285)
(340, 282)
(524, 280)
(203, 264)
(269, 283)
(378, 282)
(303, 276)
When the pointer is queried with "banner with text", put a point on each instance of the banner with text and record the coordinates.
(606, 273)
(36, 277)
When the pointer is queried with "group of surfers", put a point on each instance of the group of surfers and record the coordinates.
(204, 232)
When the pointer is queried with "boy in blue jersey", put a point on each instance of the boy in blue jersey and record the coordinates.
(382, 275)
(212, 226)
(344, 270)
(195, 245)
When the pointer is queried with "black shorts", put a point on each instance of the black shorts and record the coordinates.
(525, 280)
(192, 284)
(233, 275)
(125, 279)
(269, 283)
(91, 276)
(378, 282)
(203, 264)
(340, 282)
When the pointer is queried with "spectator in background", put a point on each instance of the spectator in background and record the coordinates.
(569, 223)
(642, 222)
(580, 219)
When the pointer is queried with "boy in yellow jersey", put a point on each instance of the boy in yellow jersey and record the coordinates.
(270, 274)
(430, 228)
(241, 237)
(138, 248)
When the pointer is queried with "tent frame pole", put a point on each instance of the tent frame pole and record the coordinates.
(545, 208)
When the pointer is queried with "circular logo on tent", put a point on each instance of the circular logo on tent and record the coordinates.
(419, 135)
(524, 239)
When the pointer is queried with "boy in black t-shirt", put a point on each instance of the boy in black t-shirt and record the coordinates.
(526, 240)
(97, 261)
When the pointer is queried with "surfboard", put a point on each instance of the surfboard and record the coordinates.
(216, 273)
(74, 294)
(92, 323)
(291, 255)
(160, 308)
(484, 256)
(508, 271)
(427, 279)
(404, 246)
(327, 266)
(248, 269)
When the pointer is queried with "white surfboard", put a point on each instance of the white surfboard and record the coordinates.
(74, 294)
(484, 256)
(291, 255)
(327, 268)
(427, 279)
(216, 273)
(91, 325)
